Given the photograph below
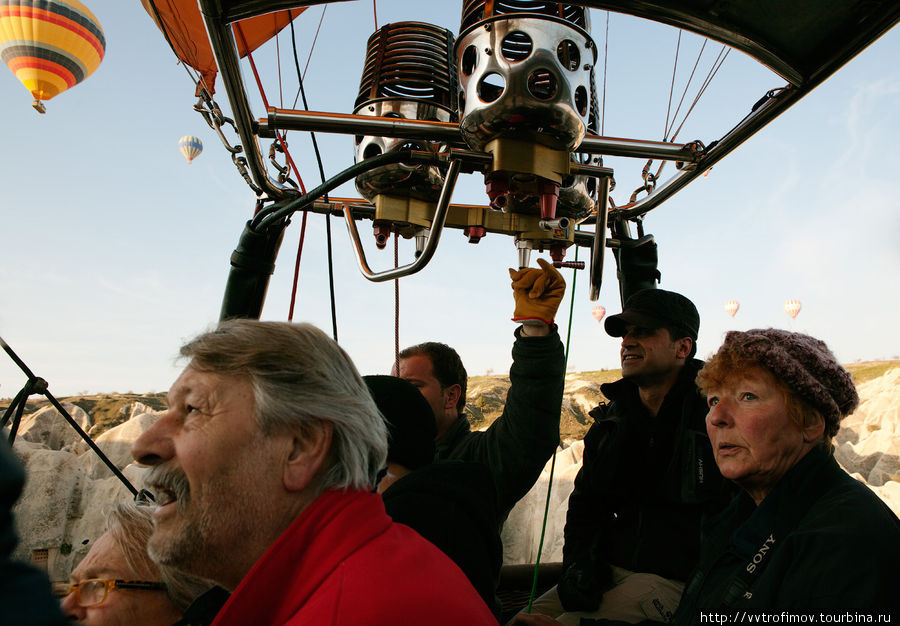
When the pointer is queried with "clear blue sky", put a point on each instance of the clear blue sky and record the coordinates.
(115, 250)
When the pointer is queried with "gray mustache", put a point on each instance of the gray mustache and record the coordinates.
(169, 478)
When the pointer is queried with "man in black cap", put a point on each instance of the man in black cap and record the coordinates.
(648, 477)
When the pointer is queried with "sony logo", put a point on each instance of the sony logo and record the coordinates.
(760, 555)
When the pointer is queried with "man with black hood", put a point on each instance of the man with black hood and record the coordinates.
(648, 478)
(452, 504)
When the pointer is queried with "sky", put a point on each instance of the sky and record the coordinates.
(116, 251)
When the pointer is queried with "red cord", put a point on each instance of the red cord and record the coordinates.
(287, 154)
(297, 267)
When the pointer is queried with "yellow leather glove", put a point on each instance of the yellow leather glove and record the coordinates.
(537, 292)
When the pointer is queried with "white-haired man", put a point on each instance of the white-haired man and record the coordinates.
(263, 466)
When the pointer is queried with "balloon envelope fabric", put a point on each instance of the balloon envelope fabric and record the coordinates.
(50, 45)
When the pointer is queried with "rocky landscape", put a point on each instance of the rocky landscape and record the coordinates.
(63, 508)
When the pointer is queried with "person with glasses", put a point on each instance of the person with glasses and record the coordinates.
(117, 583)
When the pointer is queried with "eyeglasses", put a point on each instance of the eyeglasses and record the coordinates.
(93, 592)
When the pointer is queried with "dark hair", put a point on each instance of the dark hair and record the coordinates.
(678, 332)
(446, 365)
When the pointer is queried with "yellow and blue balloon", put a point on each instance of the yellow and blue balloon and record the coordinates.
(191, 147)
(50, 45)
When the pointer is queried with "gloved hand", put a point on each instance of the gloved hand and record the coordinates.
(537, 292)
(581, 586)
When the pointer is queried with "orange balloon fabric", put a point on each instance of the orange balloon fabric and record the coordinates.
(182, 24)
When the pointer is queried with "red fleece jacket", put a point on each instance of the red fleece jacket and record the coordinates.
(343, 561)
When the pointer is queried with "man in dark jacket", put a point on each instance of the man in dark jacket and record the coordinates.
(24, 591)
(451, 503)
(648, 478)
(518, 444)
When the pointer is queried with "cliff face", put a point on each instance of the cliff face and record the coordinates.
(487, 395)
(69, 489)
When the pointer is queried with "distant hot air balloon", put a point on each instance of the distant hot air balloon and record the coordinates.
(50, 45)
(792, 307)
(731, 307)
(598, 312)
(190, 146)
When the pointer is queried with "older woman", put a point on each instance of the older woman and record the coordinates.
(118, 584)
(803, 534)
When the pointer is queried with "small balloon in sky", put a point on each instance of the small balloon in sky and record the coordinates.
(792, 307)
(191, 147)
(598, 312)
(731, 307)
(50, 45)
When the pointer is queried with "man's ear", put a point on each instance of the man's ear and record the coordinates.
(308, 454)
(453, 392)
(685, 344)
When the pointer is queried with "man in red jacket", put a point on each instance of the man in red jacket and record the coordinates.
(262, 468)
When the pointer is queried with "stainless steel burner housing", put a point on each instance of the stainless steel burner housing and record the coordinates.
(409, 74)
(526, 77)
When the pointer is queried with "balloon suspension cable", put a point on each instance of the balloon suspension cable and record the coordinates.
(318, 153)
(537, 561)
(311, 48)
(650, 178)
(672, 85)
(36, 385)
(714, 69)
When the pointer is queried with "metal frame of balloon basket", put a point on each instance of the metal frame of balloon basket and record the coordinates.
(36, 385)
(691, 159)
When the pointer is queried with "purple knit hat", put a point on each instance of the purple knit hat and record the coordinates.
(805, 365)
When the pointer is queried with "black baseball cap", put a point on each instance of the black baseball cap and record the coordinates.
(656, 308)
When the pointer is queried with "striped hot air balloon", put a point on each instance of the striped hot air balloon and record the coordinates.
(190, 146)
(731, 307)
(50, 45)
(792, 307)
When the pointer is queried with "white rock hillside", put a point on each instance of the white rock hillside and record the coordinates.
(69, 489)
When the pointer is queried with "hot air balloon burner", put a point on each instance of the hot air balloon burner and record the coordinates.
(409, 74)
(554, 224)
(474, 233)
(524, 248)
(382, 232)
(421, 238)
(526, 88)
(557, 253)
